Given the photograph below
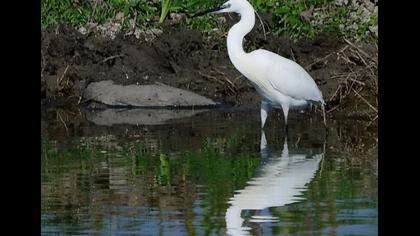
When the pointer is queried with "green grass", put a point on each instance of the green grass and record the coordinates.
(150, 14)
(287, 18)
(54, 12)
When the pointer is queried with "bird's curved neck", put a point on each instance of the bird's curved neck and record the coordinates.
(236, 35)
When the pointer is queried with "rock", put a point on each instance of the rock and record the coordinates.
(109, 29)
(110, 117)
(374, 30)
(341, 2)
(156, 95)
(119, 16)
(83, 30)
(176, 18)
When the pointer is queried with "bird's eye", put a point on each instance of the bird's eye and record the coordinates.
(227, 5)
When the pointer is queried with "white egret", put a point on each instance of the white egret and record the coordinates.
(281, 83)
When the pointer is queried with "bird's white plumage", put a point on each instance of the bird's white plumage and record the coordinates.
(279, 81)
(286, 76)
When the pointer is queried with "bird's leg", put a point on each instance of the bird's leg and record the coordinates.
(324, 148)
(263, 145)
(325, 122)
(323, 114)
(265, 107)
(285, 151)
(285, 112)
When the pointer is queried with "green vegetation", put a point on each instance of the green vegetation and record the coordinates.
(294, 18)
(78, 13)
(166, 4)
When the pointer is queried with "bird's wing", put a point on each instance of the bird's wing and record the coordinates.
(288, 77)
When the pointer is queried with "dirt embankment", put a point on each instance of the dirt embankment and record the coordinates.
(346, 73)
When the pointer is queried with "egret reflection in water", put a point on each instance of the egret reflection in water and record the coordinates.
(280, 181)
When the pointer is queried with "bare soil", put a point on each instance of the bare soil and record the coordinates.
(186, 59)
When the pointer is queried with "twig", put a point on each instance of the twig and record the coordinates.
(338, 76)
(356, 81)
(62, 76)
(346, 58)
(341, 95)
(359, 49)
(349, 89)
(293, 55)
(226, 79)
(261, 21)
(230, 82)
(43, 64)
(317, 61)
(335, 93)
(371, 70)
(370, 105)
(343, 49)
(111, 57)
(361, 58)
(207, 76)
(371, 122)
(332, 109)
(237, 77)
(61, 119)
(220, 82)
(218, 71)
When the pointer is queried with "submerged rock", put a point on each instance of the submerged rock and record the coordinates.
(109, 117)
(155, 95)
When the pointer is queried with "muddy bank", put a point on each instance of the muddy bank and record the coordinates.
(185, 59)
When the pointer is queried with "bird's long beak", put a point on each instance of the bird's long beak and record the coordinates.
(212, 10)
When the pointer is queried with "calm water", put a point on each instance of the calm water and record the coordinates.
(208, 173)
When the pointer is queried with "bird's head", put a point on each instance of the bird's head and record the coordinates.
(237, 6)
